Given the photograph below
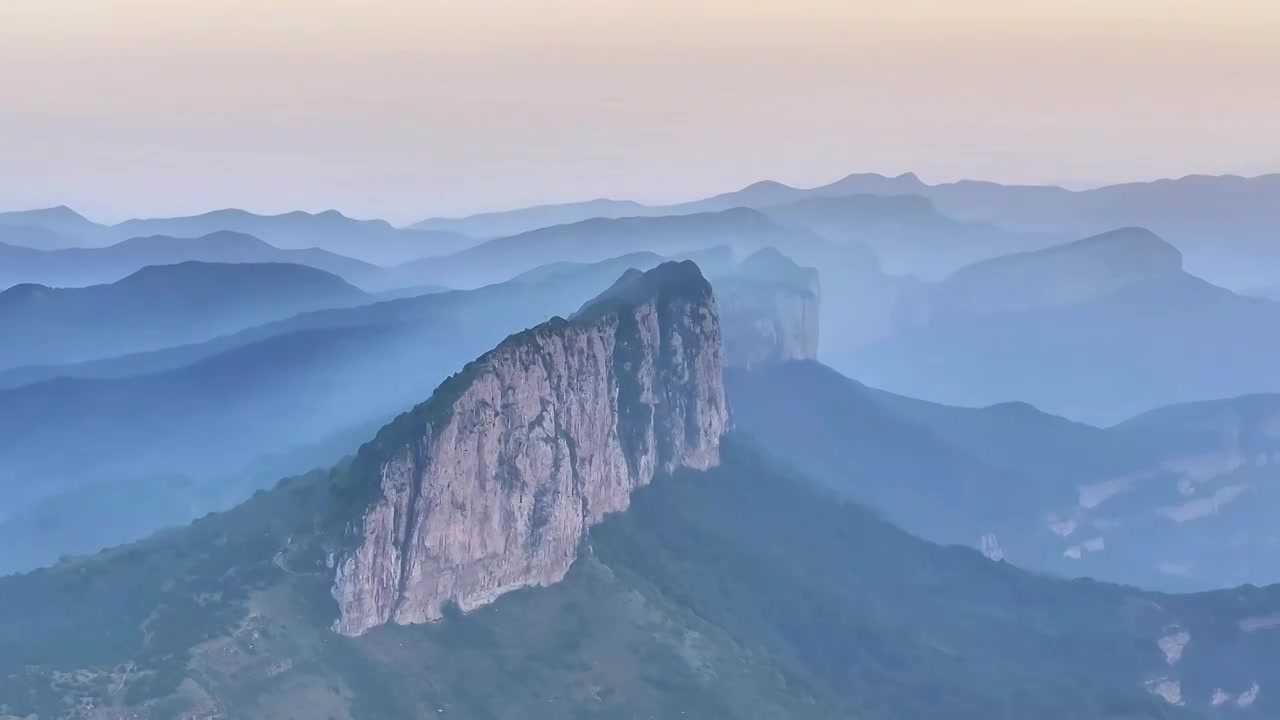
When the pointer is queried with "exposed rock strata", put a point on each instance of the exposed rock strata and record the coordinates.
(769, 306)
(490, 485)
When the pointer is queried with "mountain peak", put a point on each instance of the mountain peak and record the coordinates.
(635, 287)
(1057, 276)
(21, 293)
(766, 185)
(1133, 248)
(62, 212)
(769, 310)
(550, 431)
(59, 215)
(1131, 251)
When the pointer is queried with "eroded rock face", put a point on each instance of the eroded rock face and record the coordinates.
(769, 306)
(500, 474)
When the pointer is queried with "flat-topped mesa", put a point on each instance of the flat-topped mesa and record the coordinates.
(769, 309)
(491, 484)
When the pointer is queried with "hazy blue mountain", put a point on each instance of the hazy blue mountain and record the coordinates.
(514, 222)
(373, 241)
(599, 239)
(1178, 498)
(78, 267)
(836, 432)
(737, 592)
(769, 192)
(756, 195)
(209, 413)
(408, 292)
(1268, 292)
(1061, 275)
(61, 220)
(713, 261)
(906, 232)
(33, 236)
(1225, 225)
(638, 260)
(157, 307)
(1097, 330)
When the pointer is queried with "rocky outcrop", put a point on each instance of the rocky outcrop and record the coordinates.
(490, 485)
(769, 308)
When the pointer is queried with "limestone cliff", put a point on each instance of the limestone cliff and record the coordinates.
(490, 485)
(769, 308)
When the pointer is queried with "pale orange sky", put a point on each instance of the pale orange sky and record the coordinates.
(409, 108)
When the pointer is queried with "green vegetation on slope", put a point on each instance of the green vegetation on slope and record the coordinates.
(742, 592)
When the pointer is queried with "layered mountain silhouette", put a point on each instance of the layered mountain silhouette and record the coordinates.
(761, 194)
(1098, 330)
(598, 239)
(158, 307)
(33, 236)
(1225, 225)
(1177, 498)
(80, 266)
(513, 222)
(275, 398)
(374, 241)
(658, 567)
(906, 232)
(61, 220)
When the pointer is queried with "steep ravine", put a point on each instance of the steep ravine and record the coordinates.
(494, 481)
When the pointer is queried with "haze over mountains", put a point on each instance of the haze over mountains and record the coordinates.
(1225, 225)
(373, 241)
(1171, 499)
(877, 449)
(634, 545)
(278, 397)
(158, 307)
(1097, 330)
(79, 266)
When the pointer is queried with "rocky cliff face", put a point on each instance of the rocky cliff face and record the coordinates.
(769, 307)
(490, 485)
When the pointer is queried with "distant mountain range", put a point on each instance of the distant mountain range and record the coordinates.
(373, 241)
(33, 236)
(1098, 330)
(78, 266)
(906, 232)
(287, 395)
(1226, 226)
(601, 238)
(567, 526)
(60, 220)
(195, 425)
(158, 307)
(1179, 498)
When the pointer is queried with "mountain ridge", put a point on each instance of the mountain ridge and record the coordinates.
(82, 266)
(572, 415)
(159, 306)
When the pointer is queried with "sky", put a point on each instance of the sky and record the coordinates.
(406, 109)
